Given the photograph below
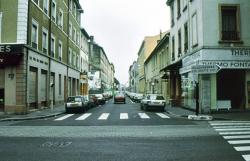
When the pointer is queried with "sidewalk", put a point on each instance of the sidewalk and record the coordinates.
(39, 114)
(232, 115)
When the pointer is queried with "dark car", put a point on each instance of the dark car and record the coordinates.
(119, 98)
(76, 104)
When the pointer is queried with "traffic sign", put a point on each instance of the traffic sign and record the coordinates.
(205, 69)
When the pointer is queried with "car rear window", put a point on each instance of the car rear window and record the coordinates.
(159, 98)
(74, 99)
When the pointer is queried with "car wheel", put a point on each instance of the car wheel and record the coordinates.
(145, 107)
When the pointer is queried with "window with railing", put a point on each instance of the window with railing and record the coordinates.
(179, 43)
(185, 37)
(229, 23)
(52, 51)
(178, 9)
(172, 15)
(53, 12)
(173, 49)
(45, 41)
(34, 34)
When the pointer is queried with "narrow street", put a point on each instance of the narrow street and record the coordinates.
(114, 132)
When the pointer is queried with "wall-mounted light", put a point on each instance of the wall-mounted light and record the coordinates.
(11, 76)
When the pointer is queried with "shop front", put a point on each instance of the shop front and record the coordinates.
(223, 76)
(11, 57)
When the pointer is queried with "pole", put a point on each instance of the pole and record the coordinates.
(197, 98)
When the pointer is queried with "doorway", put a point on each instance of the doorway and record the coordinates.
(1, 99)
(231, 86)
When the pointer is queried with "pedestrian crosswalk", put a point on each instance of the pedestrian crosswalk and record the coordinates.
(106, 116)
(236, 133)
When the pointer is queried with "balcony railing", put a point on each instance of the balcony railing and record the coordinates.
(230, 35)
(34, 45)
(44, 50)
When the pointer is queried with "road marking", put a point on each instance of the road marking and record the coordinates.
(246, 157)
(84, 116)
(242, 148)
(104, 116)
(236, 126)
(233, 129)
(230, 123)
(163, 115)
(237, 137)
(239, 142)
(143, 116)
(64, 117)
(123, 116)
(234, 133)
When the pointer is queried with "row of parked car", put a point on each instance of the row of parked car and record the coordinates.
(148, 101)
(136, 97)
(82, 103)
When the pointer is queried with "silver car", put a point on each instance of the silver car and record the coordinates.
(76, 104)
(153, 101)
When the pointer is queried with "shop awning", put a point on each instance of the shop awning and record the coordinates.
(173, 67)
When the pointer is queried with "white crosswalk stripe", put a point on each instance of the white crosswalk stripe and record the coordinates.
(163, 115)
(104, 116)
(123, 116)
(84, 116)
(246, 157)
(64, 117)
(143, 116)
(236, 133)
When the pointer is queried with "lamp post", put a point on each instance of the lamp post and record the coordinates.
(153, 86)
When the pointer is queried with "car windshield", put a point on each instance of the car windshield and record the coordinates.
(155, 97)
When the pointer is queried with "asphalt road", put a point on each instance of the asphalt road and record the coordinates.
(115, 137)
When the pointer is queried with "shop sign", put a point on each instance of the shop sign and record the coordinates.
(205, 69)
(229, 64)
(10, 54)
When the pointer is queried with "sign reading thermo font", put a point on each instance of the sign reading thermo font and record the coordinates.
(205, 69)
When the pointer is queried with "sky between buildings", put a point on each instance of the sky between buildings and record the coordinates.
(119, 26)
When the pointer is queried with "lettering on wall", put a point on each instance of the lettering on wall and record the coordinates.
(240, 52)
(5, 48)
(229, 64)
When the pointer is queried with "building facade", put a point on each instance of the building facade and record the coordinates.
(101, 68)
(147, 46)
(40, 53)
(157, 81)
(209, 45)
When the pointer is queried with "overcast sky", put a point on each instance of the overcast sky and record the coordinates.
(119, 26)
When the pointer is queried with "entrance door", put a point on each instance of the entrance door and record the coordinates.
(1, 99)
(231, 86)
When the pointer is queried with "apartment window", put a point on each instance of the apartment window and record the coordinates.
(60, 84)
(178, 8)
(53, 44)
(172, 15)
(60, 50)
(70, 57)
(185, 37)
(70, 29)
(74, 59)
(45, 41)
(173, 49)
(70, 5)
(45, 6)
(179, 43)
(53, 12)
(229, 23)
(194, 30)
(36, 2)
(74, 35)
(74, 9)
(34, 34)
(60, 19)
(77, 61)
(184, 5)
(78, 39)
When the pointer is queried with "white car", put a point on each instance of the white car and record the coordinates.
(154, 101)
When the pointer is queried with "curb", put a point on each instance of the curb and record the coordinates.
(31, 118)
(200, 117)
